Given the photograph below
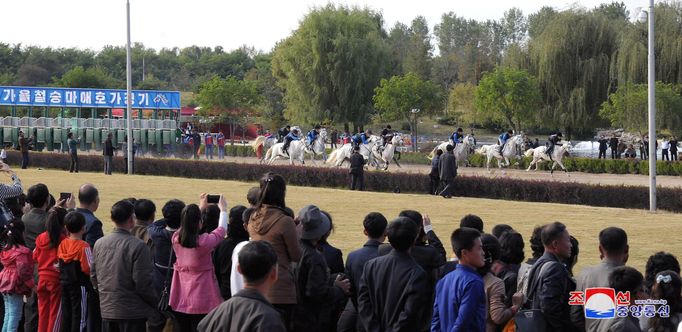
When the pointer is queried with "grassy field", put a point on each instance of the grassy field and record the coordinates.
(648, 233)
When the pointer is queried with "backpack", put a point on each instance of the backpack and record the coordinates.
(530, 319)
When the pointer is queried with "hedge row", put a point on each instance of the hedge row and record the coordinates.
(467, 186)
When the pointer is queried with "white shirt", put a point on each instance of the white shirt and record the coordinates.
(236, 278)
(665, 145)
(3, 154)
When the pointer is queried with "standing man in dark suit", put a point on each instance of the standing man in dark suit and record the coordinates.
(448, 171)
(357, 170)
(613, 144)
(108, 153)
(603, 145)
(23, 146)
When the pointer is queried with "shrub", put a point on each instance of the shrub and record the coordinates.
(467, 186)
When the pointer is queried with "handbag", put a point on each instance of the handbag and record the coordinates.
(532, 320)
(164, 300)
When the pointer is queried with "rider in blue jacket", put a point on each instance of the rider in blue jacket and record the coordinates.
(504, 137)
(312, 134)
(457, 137)
(292, 136)
(362, 137)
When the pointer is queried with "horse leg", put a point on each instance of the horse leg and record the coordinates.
(531, 165)
(564, 168)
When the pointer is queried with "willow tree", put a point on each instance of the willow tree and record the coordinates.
(631, 60)
(331, 64)
(571, 57)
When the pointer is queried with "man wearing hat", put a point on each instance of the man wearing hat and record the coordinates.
(317, 296)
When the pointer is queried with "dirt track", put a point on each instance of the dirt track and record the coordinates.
(606, 179)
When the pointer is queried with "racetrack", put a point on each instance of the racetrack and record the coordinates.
(579, 177)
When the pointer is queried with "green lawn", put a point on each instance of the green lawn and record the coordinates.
(648, 233)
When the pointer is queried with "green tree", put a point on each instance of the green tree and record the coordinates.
(330, 65)
(508, 94)
(396, 97)
(419, 50)
(228, 100)
(628, 107)
(87, 78)
(398, 44)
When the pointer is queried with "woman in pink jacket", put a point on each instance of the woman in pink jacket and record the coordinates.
(16, 278)
(194, 288)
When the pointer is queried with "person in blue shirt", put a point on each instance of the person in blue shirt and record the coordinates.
(362, 137)
(460, 301)
(457, 137)
(292, 136)
(312, 134)
(503, 138)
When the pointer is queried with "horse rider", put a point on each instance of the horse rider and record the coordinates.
(386, 136)
(456, 137)
(312, 134)
(553, 140)
(267, 134)
(362, 137)
(282, 133)
(292, 136)
(503, 138)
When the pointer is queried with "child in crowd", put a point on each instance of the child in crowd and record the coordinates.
(75, 257)
(16, 277)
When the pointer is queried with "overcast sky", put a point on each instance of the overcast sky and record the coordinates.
(230, 24)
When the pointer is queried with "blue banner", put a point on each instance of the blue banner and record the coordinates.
(97, 98)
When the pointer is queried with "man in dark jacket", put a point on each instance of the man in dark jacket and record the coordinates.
(317, 292)
(249, 310)
(447, 170)
(434, 176)
(23, 146)
(283, 132)
(549, 283)
(393, 291)
(108, 152)
(375, 230)
(160, 232)
(603, 145)
(357, 170)
(34, 222)
(88, 197)
(613, 144)
(122, 274)
(428, 252)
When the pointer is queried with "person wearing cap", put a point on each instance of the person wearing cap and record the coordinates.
(393, 292)
(292, 136)
(317, 294)
(312, 134)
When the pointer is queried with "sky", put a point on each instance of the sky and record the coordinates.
(259, 23)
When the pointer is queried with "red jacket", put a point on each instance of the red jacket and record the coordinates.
(46, 257)
(17, 275)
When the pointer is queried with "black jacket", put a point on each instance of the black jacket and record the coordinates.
(613, 143)
(357, 163)
(222, 261)
(447, 167)
(247, 310)
(333, 256)
(317, 297)
(393, 294)
(108, 148)
(551, 292)
(355, 263)
(603, 144)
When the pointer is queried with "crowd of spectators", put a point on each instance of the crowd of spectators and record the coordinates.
(263, 267)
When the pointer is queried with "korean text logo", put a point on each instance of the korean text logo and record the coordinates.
(605, 303)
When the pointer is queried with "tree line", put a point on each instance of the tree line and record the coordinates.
(576, 70)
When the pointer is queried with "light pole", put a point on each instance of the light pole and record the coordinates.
(414, 139)
(643, 15)
(129, 99)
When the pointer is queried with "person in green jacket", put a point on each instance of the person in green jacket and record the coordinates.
(72, 143)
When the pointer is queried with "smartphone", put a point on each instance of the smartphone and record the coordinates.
(64, 196)
(212, 199)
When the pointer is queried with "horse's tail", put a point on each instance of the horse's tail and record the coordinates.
(260, 140)
(529, 153)
(430, 155)
(482, 150)
(333, 156)
(268, 154)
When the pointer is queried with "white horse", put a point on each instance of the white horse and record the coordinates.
(343, 153)
(461, 152)
(539, 155)
(317, 147)
(511, 149)
(296, 152)
(388, 153)
(265, 142)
